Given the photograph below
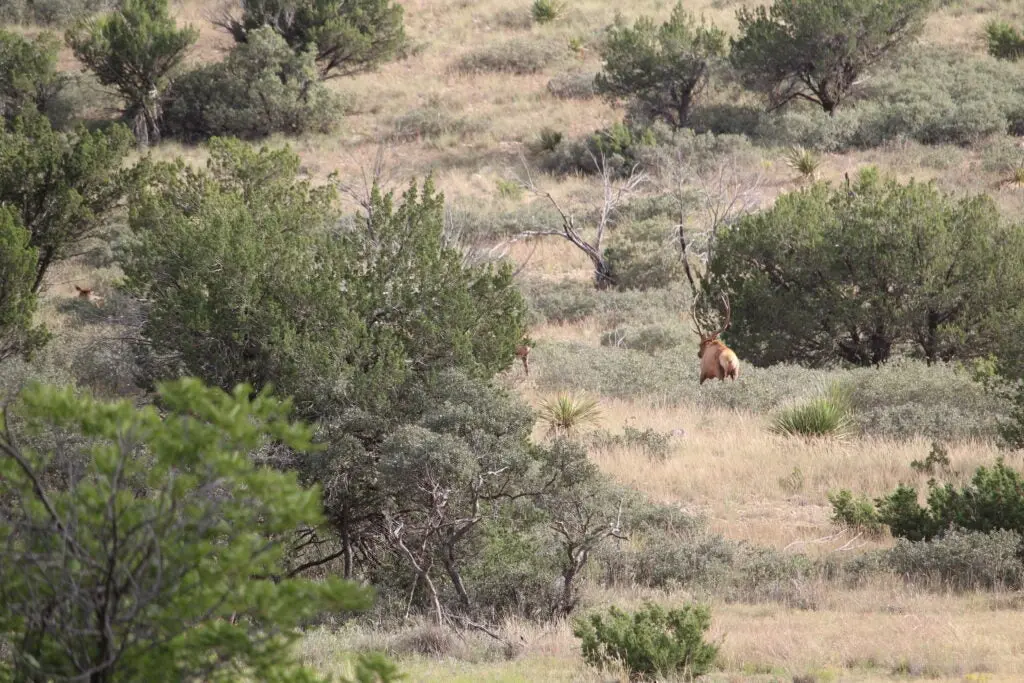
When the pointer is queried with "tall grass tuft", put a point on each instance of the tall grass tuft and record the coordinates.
(804, 161)
(828, 415)
(566, 414)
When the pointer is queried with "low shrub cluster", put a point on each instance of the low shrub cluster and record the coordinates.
(519, 56)
(263, 87)
(432, 119)
(50, 12)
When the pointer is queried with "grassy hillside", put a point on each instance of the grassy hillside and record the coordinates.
(804, 611)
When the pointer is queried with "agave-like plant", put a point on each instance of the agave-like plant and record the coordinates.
(804, 161)
(828, 415)
(566, 414)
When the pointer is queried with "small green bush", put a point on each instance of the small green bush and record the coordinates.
(652, 443)
(828, 415)
(518, 56)
(644, 256)
(544, 11)
(263, 87)
(549, 139)
(650, 642)
(1004, 40)
(938, 459)
(649, 338)
(622, 146)
(854, 513)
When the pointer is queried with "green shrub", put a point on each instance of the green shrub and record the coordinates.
(28, 74)
(1004, 40)
(938, 458)
(649, 642)
(854, 513)
(828, 415)
(573, 85)
(993, 500)
(961, 560)
(549, 139)
(263, 87)
(518, 56)
(621, 145)
(566, 414)
(544, 11)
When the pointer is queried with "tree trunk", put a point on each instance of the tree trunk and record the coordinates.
(456, 576)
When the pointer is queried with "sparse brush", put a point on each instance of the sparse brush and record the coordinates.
(804, 161)
(550, 139)
(828, 415)
(509, 189)
(566, 414)
(1016, 176)
(546, 10)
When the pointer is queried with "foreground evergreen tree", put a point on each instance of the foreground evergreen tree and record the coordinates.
(348, 36)
(137, 50)
(663, 69)
(816, 51)
(135, 534)
(64, 186)
(18, 334)
(849, 273)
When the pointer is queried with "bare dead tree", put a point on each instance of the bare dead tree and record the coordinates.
(615, 194)
(708, 196)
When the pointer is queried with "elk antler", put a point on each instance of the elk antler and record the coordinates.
(728, 316)
(693, 314)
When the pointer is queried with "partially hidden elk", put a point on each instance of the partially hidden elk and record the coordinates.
(88, 295)
(523, 354)
(716, 359)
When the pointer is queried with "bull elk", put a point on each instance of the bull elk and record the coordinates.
(716, 359)
(523, 354)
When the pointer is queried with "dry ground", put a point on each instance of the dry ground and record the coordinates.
(727, 466)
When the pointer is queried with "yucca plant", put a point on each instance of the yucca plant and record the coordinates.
(1016, 176)
(828, 415)
(566, 414)
(546, 10)
(804, 161)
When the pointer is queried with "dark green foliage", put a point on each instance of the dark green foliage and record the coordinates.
(29, 81)
(347, 36)
(848, 273)
(128, 566)
(804, 49)
(137, 51)
(262, 87)
(1004, 40)
(993, 501)
(1011, 431)
(18, 335)
(662, 69)
(621, 145)
(854, 513)
(651, 642)
(64, 186)
(938, 458)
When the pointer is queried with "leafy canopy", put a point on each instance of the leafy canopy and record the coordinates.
(126, 567)
(28, 73)
(816, 51)
(348, 36)
(18, 335)
(663, 69)
(849, 273)
(252, 277)
(137, 50)
(64, 186)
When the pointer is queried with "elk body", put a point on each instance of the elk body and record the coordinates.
(88, 295)
(523, 354)
(716, 359)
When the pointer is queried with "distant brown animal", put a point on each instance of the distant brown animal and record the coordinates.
(716, 359)
(523, 354)
(88, 295)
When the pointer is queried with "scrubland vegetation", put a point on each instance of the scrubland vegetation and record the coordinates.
(266, 268)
